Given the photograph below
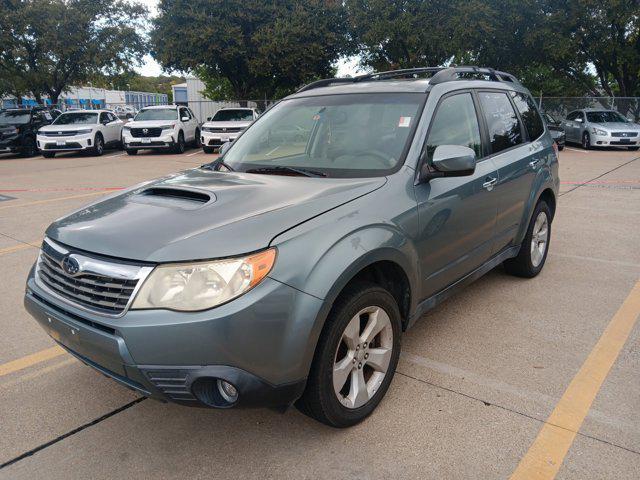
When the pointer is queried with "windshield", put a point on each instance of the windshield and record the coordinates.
(76, 118)
(13, 117)
(356, 135)
(157, 114)
(606, 116)
(240, 115)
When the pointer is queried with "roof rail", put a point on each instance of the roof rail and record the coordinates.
(439, 75)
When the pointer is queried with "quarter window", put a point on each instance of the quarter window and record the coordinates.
(529, 114)
(502, 122)
(455, 123)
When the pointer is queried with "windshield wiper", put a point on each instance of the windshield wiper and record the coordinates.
(283, 168)
(216, 163)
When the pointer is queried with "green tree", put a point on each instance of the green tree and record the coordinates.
(58, 43)
(251, 48)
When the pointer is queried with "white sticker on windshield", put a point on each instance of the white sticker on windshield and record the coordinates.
(404, 122)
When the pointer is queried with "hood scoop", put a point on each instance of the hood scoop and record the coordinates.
(181, 197)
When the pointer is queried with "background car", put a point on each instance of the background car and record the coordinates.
(125, 112)
(601, 128)
(225, 126)
(163, 127)
(92, 130)
(556, 130)
(18, 127)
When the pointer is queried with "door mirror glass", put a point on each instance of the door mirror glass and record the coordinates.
(451, 161)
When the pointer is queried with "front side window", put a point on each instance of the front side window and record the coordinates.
(573, 116)
(76, 118)
(15, 117)
(231, 115)
(355, 135)
(157, 114)
(529, 114)
(502, 122)
(455, 123)
(606, 116)
(184, 113)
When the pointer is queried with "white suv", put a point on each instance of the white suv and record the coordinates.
(225, 126)
(164, 126)
(89, 130)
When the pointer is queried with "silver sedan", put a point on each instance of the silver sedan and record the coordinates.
(601, 128)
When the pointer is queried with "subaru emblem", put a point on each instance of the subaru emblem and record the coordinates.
(70, 265)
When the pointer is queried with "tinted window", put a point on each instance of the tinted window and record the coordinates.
(455, 123)
(573, 115)
(529, 114)
(228, 115)
(15, 117)
(184, 113)
(502, 121)
(157, 114)
(103, 117)
(606, 116)
(76, 118)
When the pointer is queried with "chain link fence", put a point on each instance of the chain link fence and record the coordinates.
(559, 107)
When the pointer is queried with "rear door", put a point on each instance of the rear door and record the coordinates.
(457, 215)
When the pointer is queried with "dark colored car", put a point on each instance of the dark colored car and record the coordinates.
(556, 130)
(288, 269)
(18, 128)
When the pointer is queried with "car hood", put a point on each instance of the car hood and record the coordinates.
(65, 128)
(244, 124)
(150, 123)
(617, 126)
(235, 213)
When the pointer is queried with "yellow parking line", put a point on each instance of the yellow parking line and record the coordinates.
(49, 200)
(545, 456)
(30, 360)
(16, 248)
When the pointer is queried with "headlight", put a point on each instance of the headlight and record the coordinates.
(597, 131)
(203, 285)
(168, 127)
(84, 130)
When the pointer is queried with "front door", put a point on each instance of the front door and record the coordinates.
(457, 215)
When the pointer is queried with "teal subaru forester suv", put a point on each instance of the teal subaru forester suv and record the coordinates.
(287, 270)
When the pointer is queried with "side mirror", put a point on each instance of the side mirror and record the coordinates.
(579, 120)
(450, 161)
(185, 119)
(223, 149)
(208, 119)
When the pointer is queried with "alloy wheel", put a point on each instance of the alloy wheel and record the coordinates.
(363, 356)
(539, 239)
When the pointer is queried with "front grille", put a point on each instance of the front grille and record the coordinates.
(66, 146)
(150, 132)
(625, 134)
(90, 288)
(223, 130)
(68, 133)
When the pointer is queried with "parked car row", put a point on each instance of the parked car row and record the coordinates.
(592, 128)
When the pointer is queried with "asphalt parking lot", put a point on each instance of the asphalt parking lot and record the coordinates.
(505, 375)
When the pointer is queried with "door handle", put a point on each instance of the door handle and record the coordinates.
(489, 183)
(535, 163)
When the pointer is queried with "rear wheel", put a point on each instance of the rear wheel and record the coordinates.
(132, 151)
(48, 154)
(533, 252)
(586, 141)
(356, 357)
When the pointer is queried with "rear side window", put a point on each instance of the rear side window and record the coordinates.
(455, 123)
(502, 122)
(529, 114)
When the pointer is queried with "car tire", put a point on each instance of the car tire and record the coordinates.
(633, 149)
(208, 149)
(29, 149)
(196, 140)
(131, 151)
(179, 146)
(338, 402)
(560, 148)
(586, 141)
(535, 246)
(98, 145)
(48, 154)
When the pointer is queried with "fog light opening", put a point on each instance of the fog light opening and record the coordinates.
(227, 391)
(215, 392)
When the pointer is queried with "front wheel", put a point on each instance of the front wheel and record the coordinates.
(534, 249)
(633, 149)
(196, 141)
(586, 141)
(179, 146)
(208, 149)
(356, 357)
(48, 154)
(98, 145)
(131, 151)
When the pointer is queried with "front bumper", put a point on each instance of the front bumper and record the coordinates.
(608, 140)
(215, 139)
(259, 342)
(65, 144)
(165, 140)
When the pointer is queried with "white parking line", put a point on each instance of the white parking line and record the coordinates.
(194, 153)
(576, 150)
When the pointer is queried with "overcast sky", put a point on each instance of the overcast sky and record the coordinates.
(151, 68)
